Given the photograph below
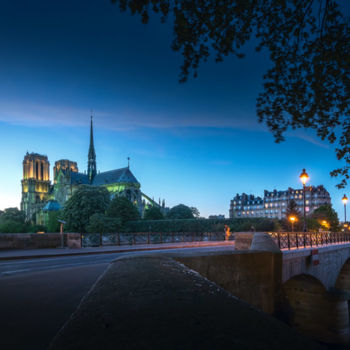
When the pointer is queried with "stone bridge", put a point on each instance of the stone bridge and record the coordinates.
(308, 288)
(314, 286)
(329, 265)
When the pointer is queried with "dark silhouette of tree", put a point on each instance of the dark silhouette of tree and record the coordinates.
(180, 211)
(308, 83)
(13, 214)
(100, 223)
(153, 213)
(12, 220)
(86, 201)
(195, 212)
(121, 208)
(326, 213)
(292, 209)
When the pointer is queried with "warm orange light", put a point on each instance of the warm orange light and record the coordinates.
(292, 219)
(227, 233)
(345, 199)
(304, 177)
(325, 224)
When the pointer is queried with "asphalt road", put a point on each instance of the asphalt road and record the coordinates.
(37, 296)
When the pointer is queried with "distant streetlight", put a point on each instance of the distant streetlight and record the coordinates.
(345, 200)
(304, 178)
(292, 219)
(325, 224)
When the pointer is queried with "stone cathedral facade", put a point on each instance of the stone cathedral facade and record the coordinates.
(39, 195)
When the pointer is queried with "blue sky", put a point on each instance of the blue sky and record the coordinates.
(196, 143)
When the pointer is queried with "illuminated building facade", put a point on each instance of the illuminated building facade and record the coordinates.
(37, 191)
(36, 183)
(274, 203)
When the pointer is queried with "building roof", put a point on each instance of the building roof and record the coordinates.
(123, 175)
(52, 205)
(79, 178)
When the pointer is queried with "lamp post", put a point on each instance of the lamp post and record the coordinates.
(62, 223)
(345, 200)
(304, 178)
(292, 219)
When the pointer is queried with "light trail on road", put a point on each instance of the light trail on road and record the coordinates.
(25, 266)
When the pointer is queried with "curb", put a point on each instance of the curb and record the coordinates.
(55, 255)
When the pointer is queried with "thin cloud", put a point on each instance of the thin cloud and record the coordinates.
(126, 119)
(309, 138)
(33, 115)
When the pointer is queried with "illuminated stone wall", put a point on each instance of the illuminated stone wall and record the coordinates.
(36, 183)
(65, 165)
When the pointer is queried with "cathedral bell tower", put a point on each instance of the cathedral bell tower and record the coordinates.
(91, 156)
(35, 183)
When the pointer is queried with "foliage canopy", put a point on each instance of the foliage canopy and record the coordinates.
(12, 220)
(292, 209)
(153, 213)
(85, 202)
(326, 213)
(201, 225)
(99, 223)
(121, 208)
(180, 211)
(13, 214)
(308, 42)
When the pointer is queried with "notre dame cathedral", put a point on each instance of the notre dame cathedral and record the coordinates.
(40, 196)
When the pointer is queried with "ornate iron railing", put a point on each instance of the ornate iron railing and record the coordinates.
(105, 239)
(296, 240)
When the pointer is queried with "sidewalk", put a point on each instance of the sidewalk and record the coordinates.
(58, 252)
(156, 302)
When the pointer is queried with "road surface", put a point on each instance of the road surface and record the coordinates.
(38, 295)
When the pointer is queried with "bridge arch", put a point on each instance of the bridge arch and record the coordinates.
(343, 280)
(308, 307)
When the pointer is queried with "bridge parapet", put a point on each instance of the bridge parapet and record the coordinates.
(323, 263)
(298, 240)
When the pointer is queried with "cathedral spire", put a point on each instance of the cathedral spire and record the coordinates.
(92, 156)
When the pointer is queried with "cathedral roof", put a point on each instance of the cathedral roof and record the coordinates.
(52, 205)
(79, 178)
(123, 175)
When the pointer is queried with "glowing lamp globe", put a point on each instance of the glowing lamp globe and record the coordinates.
(292, 218)
(304, 177)
(345, 199)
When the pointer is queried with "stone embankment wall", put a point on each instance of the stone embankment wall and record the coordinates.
(251, 276)
(35, 240)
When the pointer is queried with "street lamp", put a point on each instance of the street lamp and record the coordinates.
(292, 219)
(304, 178)
(345, 200)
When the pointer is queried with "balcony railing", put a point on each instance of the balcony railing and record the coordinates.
(297, 240)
